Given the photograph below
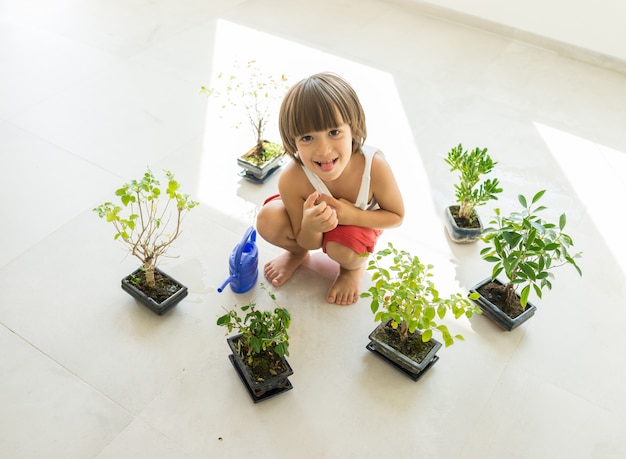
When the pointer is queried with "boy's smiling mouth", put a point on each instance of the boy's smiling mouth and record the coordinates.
(326, 166)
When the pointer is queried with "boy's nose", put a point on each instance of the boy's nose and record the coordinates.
(325, 146)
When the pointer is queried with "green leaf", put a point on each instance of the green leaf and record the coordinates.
(374, 306)
(530, 273)
(512, 238)
(531, 238)
(281, 349)
(427, 335)
(224, 320)
(538, 196)
(524, 296)
(562, 221)
(255, 343)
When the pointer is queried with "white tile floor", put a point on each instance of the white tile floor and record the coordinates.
(92, 92)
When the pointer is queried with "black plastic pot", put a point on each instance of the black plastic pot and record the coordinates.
(259, 390)
(496, 314)
(458, 233)
(415, 370)
(178, 292)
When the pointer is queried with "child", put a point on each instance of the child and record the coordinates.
(336, 195)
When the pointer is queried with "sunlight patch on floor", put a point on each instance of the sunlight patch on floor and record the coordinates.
(598, 174)
(223, 142)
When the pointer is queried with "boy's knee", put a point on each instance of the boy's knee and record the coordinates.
(264, 222)
(344, 255)
(272, 222)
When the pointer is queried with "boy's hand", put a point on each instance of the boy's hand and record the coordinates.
(342, 207)
(317, 215)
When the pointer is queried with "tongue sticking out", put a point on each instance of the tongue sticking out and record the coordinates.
(328, 166)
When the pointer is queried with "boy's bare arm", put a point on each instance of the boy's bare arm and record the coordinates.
(309, 219)
(317, 218)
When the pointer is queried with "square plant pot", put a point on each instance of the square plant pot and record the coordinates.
(459, 234)
(259, 390)
(256, 172)
(170, 294)
(492, 311)
(410, 367)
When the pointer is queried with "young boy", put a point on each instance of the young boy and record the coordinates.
(336, 195)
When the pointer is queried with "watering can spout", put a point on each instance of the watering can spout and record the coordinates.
(226, 282)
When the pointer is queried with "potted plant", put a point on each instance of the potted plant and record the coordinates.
(147, 222)
(461, 220)
(525, 249)
(257, 92)
(260, 347)
(408, 306)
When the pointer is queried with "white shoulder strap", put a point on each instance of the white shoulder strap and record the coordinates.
(317, 182)
(362, 200)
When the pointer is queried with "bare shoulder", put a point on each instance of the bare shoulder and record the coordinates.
(293, 181)
(384, 186)
(380, 167)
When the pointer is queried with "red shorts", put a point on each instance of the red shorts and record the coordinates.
(358, 238)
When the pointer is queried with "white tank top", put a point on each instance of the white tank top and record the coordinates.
(364, 191)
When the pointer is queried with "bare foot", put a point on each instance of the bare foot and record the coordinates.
(280, 269)
(347, 287)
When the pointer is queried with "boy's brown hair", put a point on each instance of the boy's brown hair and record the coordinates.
(313, 104)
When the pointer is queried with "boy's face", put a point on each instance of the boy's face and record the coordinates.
(326, 153)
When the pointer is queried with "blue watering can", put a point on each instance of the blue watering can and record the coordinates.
(243, 264)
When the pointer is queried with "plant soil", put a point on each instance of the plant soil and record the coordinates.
(472, 222)
(258, 156)
(163, 289)
(265, 364)
(496, 294)
(416, 349)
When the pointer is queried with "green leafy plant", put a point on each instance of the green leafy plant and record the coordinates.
(404, 293)
(148, 218)
(262, 331)
(469, 192)
(257, 92)
(526, 248)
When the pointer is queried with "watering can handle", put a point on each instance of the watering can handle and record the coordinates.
(250, 234)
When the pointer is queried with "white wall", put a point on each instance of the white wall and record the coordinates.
(595, 26)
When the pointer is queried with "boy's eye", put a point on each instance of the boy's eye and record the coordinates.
(334, 132)
(306, 138)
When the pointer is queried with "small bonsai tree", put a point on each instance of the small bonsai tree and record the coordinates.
(469, 192)
(262, 333)
(149, 218)
(404, 293)
(526, 248)
(257, 92)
